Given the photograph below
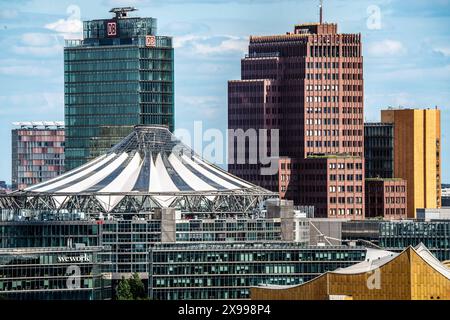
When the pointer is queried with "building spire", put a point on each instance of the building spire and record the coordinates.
(321, 11)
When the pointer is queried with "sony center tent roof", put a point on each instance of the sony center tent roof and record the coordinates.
(150, 161)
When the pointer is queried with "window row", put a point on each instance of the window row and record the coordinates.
(353, 99)
(357, 189)
(342, 166)
(332, 133)
(344, 200)
(343, 212)
(348, 177)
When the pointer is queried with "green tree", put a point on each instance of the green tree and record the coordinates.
(124, 290)
(137, 287)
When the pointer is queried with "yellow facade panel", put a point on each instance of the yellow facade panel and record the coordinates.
(406, 277)
(417, 136)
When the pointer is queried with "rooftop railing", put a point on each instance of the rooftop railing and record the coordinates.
(73, 43)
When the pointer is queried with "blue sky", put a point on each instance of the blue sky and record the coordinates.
(406, 53)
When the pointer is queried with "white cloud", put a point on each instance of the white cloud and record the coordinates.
(8, 13)
(39, 39)
(230, 45)
(178, 28)
(39, 44)
(70, 28)
(200, 107)
(211, 45)
(386, 48)
(33, 104)
(181, 41)
(438, 73)
(28, 71)
(38, 51)
(443, 51)
(48, 44)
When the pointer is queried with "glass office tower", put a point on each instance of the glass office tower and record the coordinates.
(120, 75)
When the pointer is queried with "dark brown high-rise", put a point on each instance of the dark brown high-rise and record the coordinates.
(309, 85)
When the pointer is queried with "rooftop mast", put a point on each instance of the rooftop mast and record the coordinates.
(122, 12)
(321, 11)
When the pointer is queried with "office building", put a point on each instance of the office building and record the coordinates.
(53, 274)
(417, 154)
(37, 152)
(386, 198)
(308, 84)
(229, 270)
(222, 251)
(414, 274)
(433, 214)
(120, 75)
(190, 268)
(379, 150)
(397, 235)
(46, 232)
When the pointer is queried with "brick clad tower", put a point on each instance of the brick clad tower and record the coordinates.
(308, 84)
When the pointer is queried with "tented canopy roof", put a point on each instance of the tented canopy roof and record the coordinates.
(148, 161)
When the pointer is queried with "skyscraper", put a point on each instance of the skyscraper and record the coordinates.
(37, 152)
(417, 154)
(120, 75)
(309, 85)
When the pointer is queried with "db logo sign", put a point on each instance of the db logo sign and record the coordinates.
(150, 41)
(111, 29)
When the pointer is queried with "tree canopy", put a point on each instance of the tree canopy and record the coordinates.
(131, 289)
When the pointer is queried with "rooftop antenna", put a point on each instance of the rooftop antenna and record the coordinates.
(122, 12)
(321, 11)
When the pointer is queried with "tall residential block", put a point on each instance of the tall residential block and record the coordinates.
(417, 154)
(308, 84)
(379, 150)
(120, 75)
(37, 152)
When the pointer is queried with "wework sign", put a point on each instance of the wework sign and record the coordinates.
(81, 258)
